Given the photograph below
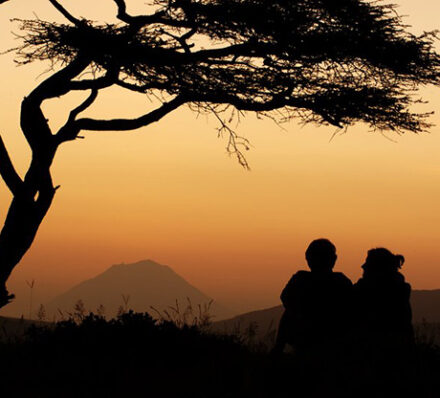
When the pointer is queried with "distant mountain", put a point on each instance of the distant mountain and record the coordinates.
(425, 306)
(146, 284)
(263, 322)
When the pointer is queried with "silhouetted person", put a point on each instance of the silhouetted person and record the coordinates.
(383, 302)
(316, 305)
(385, 332)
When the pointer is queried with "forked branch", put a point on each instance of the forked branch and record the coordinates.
(136, 20)
(82, 107)
(69, 131)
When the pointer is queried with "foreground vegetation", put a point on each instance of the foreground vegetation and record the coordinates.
(135, 355)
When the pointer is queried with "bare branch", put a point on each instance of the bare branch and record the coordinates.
(136, 20)
(82, 107)
(182, 39)
(59, 83)
(141, 88)
(7, 170)
(122, 11)
(250, 104)
(90, 84)
(130, 124)
(107, 80)
(235, 141)
(68, 132)
(66, 13)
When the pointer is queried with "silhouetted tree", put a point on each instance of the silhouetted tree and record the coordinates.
(331, 62)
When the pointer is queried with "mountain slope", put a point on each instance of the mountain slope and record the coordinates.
(145, 284)
(426, 305)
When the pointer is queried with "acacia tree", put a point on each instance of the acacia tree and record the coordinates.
(334, 62)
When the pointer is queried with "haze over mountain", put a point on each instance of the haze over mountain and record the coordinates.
(146, 284)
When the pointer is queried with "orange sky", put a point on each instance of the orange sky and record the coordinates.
(170, 193)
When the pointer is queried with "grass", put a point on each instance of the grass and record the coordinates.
(178, 355)
(122, 357)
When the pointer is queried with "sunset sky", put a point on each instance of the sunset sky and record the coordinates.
(169, 192)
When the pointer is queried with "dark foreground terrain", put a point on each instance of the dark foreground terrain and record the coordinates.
(135, 355)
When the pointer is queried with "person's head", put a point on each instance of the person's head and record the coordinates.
(321, 255)
(382, 261)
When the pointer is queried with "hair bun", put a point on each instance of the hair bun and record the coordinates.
(399, 260)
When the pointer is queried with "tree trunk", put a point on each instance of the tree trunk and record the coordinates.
(21, 225)
(33, 198)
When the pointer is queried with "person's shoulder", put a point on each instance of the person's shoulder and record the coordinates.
(296, 283)
(360, 283)
(406, 286)
(300, 276)
(400, 281)
(403, 281)
(339, 277)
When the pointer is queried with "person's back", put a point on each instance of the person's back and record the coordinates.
(317, 306)
(316, 303)
(383, 299)
(386, 338)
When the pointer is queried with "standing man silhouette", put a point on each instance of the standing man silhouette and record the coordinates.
(316, 302)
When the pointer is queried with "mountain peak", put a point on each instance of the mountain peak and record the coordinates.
(147, 284)
(147, 262)
(141, 263)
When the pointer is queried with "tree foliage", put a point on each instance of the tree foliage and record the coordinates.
(326, 61)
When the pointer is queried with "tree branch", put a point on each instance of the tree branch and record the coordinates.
(245, 49)
(31, 113)
(82, 107)
(59, 83)
(68, 132)
(7, 170)
(122, 11)
(107, 80)
(141, 88)
(89, 84)
(66, 13)
(136, 20)
(130, 124)
(249, 104)
(142, 20)
(182, 39)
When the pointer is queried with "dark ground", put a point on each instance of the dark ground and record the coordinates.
(135, 355)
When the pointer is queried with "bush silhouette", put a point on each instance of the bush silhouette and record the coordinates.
(135, 355)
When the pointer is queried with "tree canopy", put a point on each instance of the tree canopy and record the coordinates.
(325, 61)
